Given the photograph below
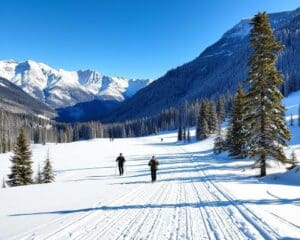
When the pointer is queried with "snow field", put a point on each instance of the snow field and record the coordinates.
(197, 195)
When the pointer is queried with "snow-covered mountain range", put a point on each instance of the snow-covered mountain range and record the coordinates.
(60, 88)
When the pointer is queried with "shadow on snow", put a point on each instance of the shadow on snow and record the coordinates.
(198, 205)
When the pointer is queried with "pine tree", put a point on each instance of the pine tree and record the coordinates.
(267, 129)
(3, 144)
(198, 128)
(47, 173)
(179, 136)
(212, 118)
(202, 129)
(221, 109)
(219, 142)
(39, 177)
(21, 171)
(236, 134)
(188, 135)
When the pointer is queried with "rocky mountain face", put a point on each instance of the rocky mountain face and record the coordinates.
(61, 88)
(217, 69)
(14, 99)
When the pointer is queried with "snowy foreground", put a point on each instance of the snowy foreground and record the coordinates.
(197, 196)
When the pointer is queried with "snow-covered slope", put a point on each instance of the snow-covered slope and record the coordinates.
(14, 99)
(198, 195)
(61, 88)
(217, 70)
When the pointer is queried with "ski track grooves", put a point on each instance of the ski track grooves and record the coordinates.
(136, 218)
(189, 211)
(220, 193)
(90, 223)
(261, 226)
(145, 219)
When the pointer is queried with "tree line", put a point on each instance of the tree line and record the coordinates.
(40, 130)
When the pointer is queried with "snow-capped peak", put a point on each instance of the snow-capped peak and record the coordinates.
(61, 88)
(277, 20)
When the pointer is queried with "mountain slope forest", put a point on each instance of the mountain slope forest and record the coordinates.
(217, 70)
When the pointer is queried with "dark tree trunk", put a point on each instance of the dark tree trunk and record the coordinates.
(263, 167)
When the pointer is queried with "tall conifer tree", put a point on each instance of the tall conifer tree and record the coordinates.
(236, 135)
(219, 141)
(47, 173)
(212, 117)
(21, 170)
(221, 109)
(267, 130)
(188, 135)
(179, 134)
(202, 130)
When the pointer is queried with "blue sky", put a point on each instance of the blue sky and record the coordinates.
(131, 38)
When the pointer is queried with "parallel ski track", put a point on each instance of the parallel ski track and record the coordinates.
(128, 220)
(81, 227)
(148, 217)
(219, 193)
(265, 230)
(195, 215)
(69, 219)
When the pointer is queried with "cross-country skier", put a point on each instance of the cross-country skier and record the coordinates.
(153, 163)
(121, 160)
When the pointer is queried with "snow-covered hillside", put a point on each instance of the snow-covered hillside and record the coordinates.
(219, 69)
(61, 88)
(198, 195)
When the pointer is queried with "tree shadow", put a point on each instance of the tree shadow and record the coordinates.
(80, 169)
(286, 178)
(198, 205)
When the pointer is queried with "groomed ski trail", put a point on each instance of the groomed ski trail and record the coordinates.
(175, 207)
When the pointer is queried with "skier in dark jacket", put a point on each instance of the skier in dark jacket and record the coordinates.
(153, 163)
(121, 160)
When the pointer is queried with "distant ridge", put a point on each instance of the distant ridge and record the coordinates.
(61, 88)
